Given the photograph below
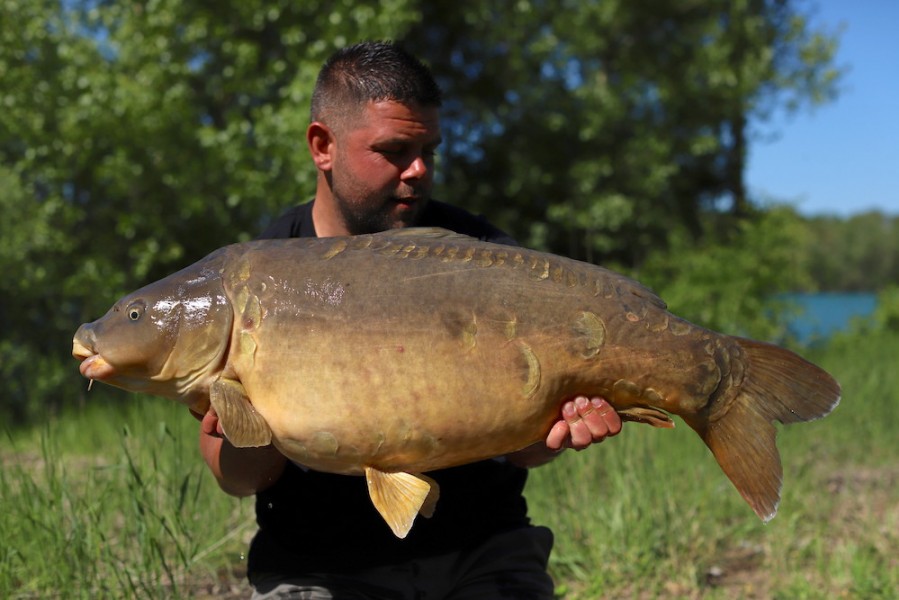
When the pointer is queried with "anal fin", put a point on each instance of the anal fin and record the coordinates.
(399, 497)
(243, 426)
(648, 415)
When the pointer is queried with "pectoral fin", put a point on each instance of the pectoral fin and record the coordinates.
(399, 497)
(243, 426)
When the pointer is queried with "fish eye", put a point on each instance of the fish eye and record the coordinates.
(135, 311)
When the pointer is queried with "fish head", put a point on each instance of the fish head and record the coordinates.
(168, 338)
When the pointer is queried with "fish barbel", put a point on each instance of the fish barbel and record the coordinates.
(398, 353)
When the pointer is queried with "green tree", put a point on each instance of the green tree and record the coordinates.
(858, 253)
(733, 285)
(593, 128)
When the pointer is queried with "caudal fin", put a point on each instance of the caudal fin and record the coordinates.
(778, 386)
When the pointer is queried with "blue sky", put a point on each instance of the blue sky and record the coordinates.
(841, 158)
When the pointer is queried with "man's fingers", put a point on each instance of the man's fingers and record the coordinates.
(210, 424)
(601, 419)
(584, 422)
(590, 421)
(558, 436)
(586, 427)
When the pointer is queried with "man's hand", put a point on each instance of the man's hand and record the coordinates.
(583, 422)
(209, 423)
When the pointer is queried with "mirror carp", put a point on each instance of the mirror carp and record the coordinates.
(398, 353)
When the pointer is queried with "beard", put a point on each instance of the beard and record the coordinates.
(366, 209)
(392, 213)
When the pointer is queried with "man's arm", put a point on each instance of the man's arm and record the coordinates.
(238, 471)
(584, 421)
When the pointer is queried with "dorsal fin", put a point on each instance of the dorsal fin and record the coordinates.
(427, 233)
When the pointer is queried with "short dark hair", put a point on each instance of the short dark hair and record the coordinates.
(372, 71)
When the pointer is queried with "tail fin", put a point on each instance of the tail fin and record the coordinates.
(779, 386)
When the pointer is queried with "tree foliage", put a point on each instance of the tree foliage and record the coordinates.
(596, 128)
(137, 136)
(858, 253)
(732, 284)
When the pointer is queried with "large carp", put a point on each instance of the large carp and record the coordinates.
(398, 353)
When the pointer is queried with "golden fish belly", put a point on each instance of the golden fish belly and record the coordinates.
(405, 402)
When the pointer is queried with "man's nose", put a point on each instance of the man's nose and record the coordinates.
(417, 169)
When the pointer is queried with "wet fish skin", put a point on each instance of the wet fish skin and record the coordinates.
(398, 353)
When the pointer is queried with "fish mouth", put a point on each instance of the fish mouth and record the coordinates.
(93, 366)
(80, 351)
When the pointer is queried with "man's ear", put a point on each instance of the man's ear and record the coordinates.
(320, 139)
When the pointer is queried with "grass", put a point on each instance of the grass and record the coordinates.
(113, 501)
(138, 519)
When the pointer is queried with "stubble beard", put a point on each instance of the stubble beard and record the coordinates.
(388, 215)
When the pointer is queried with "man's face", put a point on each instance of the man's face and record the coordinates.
(383, 166)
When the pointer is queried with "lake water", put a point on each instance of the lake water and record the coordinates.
(827, 313)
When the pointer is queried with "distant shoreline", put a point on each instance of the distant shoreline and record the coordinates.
(826, 313)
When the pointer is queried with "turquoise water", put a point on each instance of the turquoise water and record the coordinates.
(827, 313)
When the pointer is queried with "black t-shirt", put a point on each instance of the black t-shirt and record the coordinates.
(320, 522)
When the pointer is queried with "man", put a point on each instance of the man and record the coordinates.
(374, 133)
